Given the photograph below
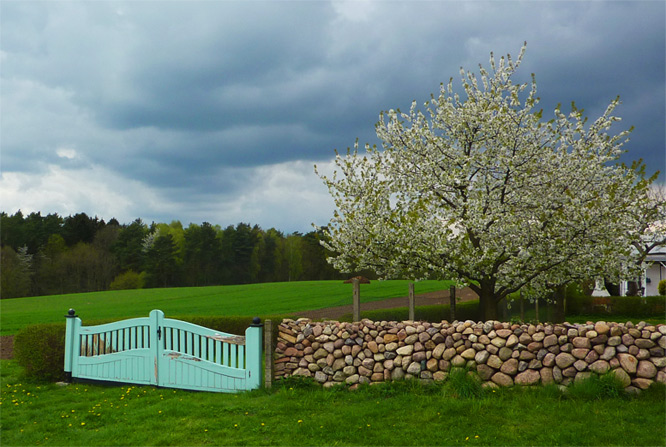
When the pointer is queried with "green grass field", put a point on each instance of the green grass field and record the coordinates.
(398, 413)
(243, 300)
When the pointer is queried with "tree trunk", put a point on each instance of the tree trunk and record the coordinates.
(487, 303)
(558, 307)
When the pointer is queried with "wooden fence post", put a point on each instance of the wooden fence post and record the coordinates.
(356, 300)
(268, 354)
(452, 302)
(522, 307)
(411, 301)
(536, 309)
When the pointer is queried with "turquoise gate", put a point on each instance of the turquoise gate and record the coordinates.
(164, 352)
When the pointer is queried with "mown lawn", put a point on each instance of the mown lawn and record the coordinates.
(401, 413)
(244, 300)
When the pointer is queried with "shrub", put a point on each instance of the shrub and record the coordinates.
(635, 306)
(662, 287)
(40, 350)
(128, 280)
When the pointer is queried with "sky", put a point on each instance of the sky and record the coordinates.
(217, 111)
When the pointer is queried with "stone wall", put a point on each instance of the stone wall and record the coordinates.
(503, 354)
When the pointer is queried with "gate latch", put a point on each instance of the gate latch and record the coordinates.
(159, 333)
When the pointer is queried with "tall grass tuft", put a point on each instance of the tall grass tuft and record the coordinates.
(464, 384)
(597, 387)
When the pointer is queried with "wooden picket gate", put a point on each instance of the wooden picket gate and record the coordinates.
(164, 352)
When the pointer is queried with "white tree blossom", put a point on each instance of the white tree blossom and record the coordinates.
(479, 188)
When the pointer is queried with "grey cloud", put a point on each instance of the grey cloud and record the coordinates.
(180, 94)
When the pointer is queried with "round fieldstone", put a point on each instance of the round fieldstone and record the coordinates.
(643, 343)
(564, 360)
(601, 327)
(622, 376)
(528, 377)
(397, 374)
(646, 369)
(628, 362)
(581, 342)
(485, 372)
(405, 350)
(550, 340)
(437, 352)
(642, 383)
(458, 361)
(468, 354)
(482, 356)
(548, 360)
(494, 362)
(502, 379)
(546, 375)
(600, 367)
(510, 367)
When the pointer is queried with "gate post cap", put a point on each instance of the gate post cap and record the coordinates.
(71, 313)
(256, 321)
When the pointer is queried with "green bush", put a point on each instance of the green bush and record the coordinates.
(128, 280)
(40, 350)
(662, 287)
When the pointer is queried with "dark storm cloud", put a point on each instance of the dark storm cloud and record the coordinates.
(188, 98)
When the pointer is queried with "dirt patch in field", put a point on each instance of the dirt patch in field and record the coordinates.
(6, 347)
(425, 299)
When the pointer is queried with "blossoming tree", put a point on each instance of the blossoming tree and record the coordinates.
(479, 188)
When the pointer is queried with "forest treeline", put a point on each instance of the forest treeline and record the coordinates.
(45, 255)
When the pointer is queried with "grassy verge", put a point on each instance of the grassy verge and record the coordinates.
(399, 413)
(244, 300)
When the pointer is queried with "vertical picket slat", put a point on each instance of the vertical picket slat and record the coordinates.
(196, 341)
(218, 352)
(241, 357)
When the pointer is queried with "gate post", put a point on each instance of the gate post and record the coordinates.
(253, 357)
(268, 354)
(71, 346)
(156, 321)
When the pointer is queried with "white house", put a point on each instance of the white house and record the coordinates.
(654, 270)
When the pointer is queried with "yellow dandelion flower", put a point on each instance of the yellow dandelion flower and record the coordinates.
(300, 421)
(83, 423)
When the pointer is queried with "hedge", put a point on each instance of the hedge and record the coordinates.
(40, 350)
(636, 306)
